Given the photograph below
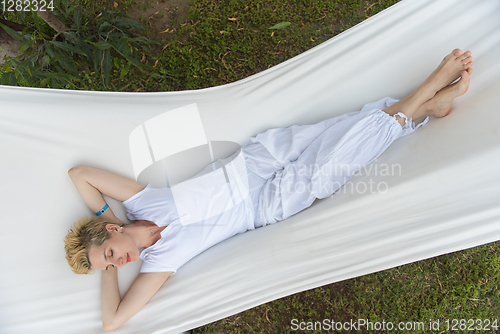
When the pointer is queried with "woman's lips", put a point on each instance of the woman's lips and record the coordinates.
(128, 258)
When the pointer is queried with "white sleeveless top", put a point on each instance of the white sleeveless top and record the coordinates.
(198, 213)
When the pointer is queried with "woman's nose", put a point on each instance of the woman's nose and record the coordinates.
(119, 262)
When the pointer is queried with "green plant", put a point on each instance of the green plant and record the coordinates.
(55, 61)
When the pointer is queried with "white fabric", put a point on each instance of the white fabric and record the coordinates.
(154, 204)
(442, 195)
(185, 238)
(179, 244)
(313, 161)
(326, 155)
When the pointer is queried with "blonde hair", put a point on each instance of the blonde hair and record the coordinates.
(88, 231)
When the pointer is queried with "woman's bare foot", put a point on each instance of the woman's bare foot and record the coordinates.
(469, 70)
(417, 104)
(448, 71)
(440, 104)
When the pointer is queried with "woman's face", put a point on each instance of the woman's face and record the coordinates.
(116, 251)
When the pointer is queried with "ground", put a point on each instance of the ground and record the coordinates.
(158, 16)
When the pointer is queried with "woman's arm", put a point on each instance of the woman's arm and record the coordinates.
(115, 312)
(91, 183)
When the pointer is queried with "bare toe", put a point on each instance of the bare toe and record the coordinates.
(463, 84)
(470, 70)
(466, 60)
(466, 54)
(455, 53)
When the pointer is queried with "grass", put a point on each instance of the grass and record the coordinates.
(219, 42)
(462, 285)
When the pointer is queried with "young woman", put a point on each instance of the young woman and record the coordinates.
(284, 171)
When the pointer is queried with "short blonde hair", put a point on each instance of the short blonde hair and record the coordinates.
(88, 231)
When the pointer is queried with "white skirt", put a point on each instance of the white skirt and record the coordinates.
(291, 167)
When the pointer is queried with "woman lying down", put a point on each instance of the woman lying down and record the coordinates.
(265, 174)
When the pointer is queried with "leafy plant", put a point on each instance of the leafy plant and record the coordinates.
(55, 61)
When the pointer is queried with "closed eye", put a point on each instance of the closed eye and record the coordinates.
(110, 256)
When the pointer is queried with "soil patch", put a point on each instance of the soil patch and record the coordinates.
(159, 17)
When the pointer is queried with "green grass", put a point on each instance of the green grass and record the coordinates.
(224, 41)
(462, 285)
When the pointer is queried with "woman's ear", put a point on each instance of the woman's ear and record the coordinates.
(112, 227)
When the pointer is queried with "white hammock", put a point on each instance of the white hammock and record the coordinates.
(445, 198)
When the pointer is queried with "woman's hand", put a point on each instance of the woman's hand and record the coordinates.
(116, 312)
(91, 183)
